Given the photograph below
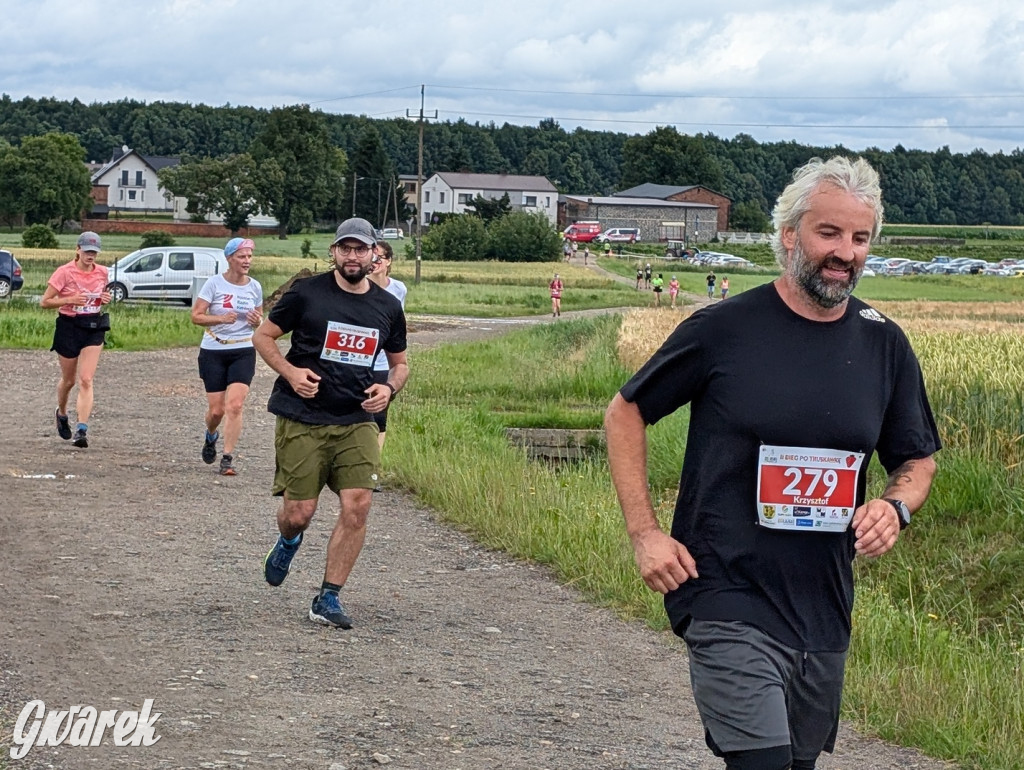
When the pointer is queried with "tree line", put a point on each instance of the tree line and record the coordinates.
(919, 186)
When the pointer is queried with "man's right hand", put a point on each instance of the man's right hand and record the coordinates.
(305, 382)
(664, 562)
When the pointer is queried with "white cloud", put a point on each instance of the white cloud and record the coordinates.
(822, 73)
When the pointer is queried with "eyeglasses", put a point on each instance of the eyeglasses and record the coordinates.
(360, 251)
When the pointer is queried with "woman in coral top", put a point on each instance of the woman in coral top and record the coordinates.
(78, 290)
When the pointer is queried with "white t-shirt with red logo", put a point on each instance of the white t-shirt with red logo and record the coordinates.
(223, 297)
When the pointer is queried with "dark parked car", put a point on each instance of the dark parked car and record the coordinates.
(11, 278)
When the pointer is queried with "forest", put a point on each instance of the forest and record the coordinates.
(920, 186)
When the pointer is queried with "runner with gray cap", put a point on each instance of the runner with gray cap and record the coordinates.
(78, 290)
(325, 399)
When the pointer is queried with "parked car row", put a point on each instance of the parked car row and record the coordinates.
(942, 265)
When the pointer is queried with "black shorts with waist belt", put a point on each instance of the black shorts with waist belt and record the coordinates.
(69, 339)
(220, 368)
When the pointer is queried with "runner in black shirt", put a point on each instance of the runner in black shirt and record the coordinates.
(792, 387)
(324, 401)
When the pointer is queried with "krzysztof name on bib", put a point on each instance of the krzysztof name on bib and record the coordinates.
(807, 489)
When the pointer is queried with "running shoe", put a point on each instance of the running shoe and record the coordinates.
(63, 425)
(81, 440)
(278, 560)
(226, 468)
(210, 448)
(328, 610)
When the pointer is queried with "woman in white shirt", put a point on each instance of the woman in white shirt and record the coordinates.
(229, 306)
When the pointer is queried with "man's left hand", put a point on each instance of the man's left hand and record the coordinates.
(378, 396)
(877, 525)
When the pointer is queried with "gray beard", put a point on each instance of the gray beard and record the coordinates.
(824, 293)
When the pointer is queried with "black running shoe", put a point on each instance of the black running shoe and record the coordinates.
(210, 449)
(226, 467)
(81, 440)
(328, 610)
(63, 425)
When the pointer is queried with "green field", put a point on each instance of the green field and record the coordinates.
(937, 660)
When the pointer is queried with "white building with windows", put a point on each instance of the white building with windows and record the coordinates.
(448, 192)
(132, 184)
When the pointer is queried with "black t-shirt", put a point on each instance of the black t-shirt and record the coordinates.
(755, 372)
(338, 335)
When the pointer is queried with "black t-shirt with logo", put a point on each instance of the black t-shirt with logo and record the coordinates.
(338, 335)
(754, 372)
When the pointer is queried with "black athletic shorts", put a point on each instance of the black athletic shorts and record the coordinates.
(220, 368)
(381, 418)
(69, 339)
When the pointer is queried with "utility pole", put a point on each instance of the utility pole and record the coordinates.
(419, 186)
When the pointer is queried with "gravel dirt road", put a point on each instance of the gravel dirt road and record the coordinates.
(131, 571)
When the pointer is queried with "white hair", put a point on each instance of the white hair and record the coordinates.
(856, 177)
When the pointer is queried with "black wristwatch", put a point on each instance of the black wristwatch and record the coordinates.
(393, 391)
(901, 510)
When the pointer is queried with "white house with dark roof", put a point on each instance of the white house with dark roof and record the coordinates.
(132, 184)
(449, 192)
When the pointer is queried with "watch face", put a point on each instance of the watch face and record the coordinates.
(902, 511)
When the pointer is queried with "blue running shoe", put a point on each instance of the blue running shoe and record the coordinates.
(278, 560)
(328, 610)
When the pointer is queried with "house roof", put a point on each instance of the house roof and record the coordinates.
(496, 182)
(158, 162)
(615, 200)
(155, 162)
(650, 190)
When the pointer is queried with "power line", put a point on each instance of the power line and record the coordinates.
(577, 119)
(830, 97)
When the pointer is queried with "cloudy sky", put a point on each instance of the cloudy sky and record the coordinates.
(873, 73)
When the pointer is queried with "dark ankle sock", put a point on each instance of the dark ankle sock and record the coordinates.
(330, 588)
(291, 541)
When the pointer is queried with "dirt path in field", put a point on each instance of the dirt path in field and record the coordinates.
(131, 571)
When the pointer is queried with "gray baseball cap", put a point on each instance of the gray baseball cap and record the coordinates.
(356, 228)
(89, 241)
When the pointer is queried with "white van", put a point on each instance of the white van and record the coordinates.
(164, 272)
(619, 235)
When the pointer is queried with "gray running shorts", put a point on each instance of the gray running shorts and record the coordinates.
(753, 692)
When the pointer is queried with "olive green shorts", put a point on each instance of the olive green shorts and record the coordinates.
(308, 457)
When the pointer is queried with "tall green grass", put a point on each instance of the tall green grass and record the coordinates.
(936, 660)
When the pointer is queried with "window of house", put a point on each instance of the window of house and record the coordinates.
(122, 194)
(124, 176)
(131, 195)
(441, 196)
(138, 179)
(465, 199)
(410, 187)
(547, 202)
(181, 260)
(426, 196)
(530, 200)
